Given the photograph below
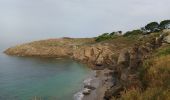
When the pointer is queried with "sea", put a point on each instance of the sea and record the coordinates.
(36, 78)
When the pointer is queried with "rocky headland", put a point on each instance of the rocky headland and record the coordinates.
(117, 61)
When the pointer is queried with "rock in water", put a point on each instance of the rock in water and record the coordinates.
(86, 91)
(89, 87)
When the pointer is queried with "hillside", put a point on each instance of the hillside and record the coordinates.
(153, 78)
(139, 63)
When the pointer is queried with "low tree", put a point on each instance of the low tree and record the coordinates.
(144, 30)
(133, 33)
(164, 24)
(120, 32)
(103, 37)
(113, 33)
(152, 27)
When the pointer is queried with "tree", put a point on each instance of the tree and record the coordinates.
(103, 37)
(152, 27)
(133, 33)
(144, 30)
(113, 33)
(120, 32)
(165, 24)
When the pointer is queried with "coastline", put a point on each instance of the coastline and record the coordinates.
(100, 81)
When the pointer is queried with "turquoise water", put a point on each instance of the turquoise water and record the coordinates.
(26, 78)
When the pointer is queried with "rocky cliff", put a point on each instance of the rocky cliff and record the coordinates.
(124, 55)
(130, 61)
(86, 50)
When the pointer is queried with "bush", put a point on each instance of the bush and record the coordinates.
(132, 33)
(156, 93)
(105, 36)
(163, 52)
(113, 33)
(164, 24)
(156, 74)
(152, 27)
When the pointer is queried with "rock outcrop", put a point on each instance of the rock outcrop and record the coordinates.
(96, 55)
(129, 61)
(167, 38)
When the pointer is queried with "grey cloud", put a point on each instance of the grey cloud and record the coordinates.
(76, 18)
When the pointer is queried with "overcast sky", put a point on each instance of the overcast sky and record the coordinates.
(37, 19)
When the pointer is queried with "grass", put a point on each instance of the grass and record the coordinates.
(62, 42)
(156, 93)
(105, 36)
(155, 76)
(163, 52)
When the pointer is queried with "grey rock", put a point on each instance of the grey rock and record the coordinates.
(167, 39)
(89, 87)
(86, 91)
(124, 57)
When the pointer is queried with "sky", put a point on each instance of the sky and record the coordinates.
(39, 19)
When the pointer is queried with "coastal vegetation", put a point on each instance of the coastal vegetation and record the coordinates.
(154, 75)
(138, 59)
(133, 33)
(147, 29)
(107, 36)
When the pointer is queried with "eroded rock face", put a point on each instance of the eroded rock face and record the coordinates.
(129, 61)
(97, 55)
(124, 57)
(30, 50)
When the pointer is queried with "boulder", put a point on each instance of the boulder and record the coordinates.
(124, 58)
(124, 75)
(86, 91)
(167, 39)
(135, 57)
(114, 91)
(89, 87)
(99, 61)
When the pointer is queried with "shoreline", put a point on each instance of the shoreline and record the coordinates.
(98, 82)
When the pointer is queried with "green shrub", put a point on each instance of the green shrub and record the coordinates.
(152, 27)
(133, 33)
(105, 36)
(164, 24)
(163, 52)
(156, 93)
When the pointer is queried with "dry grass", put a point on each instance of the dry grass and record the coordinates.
(159, 73)
(62, 42)
(156, 79)
(156, 93)
(163, 51)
